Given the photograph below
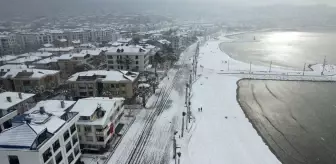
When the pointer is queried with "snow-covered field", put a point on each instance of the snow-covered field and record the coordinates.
(222, 133)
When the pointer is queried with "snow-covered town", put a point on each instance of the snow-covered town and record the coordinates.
(107, 83)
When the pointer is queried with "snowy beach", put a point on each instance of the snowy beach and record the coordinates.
(222, 133)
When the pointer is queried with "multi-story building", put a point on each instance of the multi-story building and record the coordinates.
(78, 34)
(68, 63)
(104, 83)
(46, 134)
(29, 80)
(98, 119)
(131, 58)
(12, 104)
(176, 42)
(8, 44)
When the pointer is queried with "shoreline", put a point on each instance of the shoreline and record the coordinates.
(253, 124)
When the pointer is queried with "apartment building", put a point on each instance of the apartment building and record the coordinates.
(68, 63)
(12, 104)
(8, 44)
(29, 80)
(131, 58)
(98, 119)
(104, 83)
(46, 134)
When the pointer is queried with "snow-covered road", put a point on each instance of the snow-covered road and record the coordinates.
(157, 145)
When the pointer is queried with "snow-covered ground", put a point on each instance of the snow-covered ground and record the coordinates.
(219, 134)
(222, 133)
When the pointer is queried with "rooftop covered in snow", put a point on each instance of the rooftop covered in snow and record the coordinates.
(7, 58)
(38, 54)
(26, 73)
(88, 106)
(52, 49)
(104, 75)
(127, 50)
(14, 99)
(25, 59)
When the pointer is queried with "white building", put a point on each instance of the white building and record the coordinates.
(98, 82)
(46, 134)
(131, 58)
(98, 119)
(8, 44)
(12, 104)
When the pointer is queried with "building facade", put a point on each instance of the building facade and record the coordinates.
(97, 122)
(130, 58)
(46, 134)
(104, 83)
(29, 80)
(12, 104)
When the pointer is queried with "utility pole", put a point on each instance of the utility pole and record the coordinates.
(270, 68)
(186, 97)
(304, 69)
(250, 67)
(229, 65)
(182, 131)
(324, 63)
(179, 157)
(174, 146)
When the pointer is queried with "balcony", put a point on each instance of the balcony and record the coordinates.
(7, 114)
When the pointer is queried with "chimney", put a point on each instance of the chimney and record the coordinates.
(20, 95)
(42, 110)
(9, 99)
(62, 104)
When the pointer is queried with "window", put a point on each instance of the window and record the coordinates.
(136, 62)
(110, 57)
(89, 138)
(70, 158)
(117, 85)
(121, 67)
(87, 128)
(56, 145)
(100, 139)
(76, 151)
(13, 159)
(128, 67)
(111, 67)
(58, 157)
(112, 85)
(82, 93)
(110, 61)
(46, 155)
(66, 135)
(74, 139)
(68, 146)
(122, 85)
(73, 129)
(137, 57)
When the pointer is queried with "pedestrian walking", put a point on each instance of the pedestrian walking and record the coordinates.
(201, 109)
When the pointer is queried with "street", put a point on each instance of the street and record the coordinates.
(149, 140)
